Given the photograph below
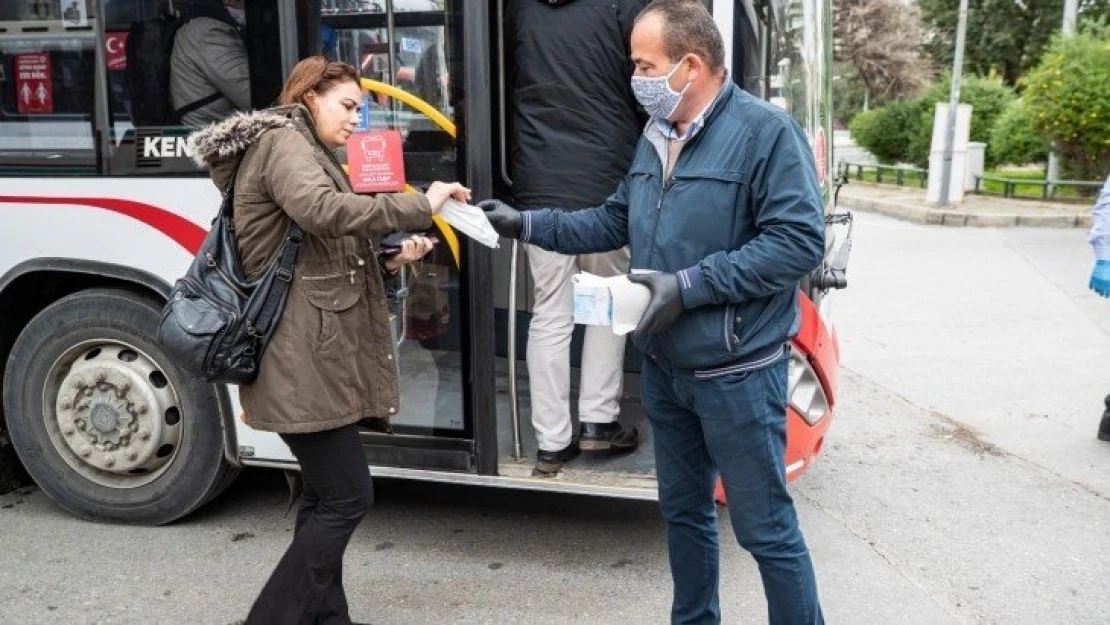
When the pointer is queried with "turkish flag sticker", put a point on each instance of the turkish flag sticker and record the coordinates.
(116, 45)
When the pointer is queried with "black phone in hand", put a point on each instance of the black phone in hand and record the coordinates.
(392, 243)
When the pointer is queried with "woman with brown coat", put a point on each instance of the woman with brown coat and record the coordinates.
(330, 362)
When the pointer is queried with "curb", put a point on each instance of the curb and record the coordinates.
(955, 218)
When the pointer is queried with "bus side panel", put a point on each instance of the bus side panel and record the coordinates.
(149, 224)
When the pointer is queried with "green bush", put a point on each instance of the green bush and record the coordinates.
(988, 98)
(1068, 98)
(1014, 140)
(884, 131)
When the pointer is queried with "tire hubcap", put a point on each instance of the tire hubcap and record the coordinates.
(116, 417)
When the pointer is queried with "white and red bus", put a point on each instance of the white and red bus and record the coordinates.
(99, 216)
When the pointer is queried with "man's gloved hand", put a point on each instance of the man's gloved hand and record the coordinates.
(505, 219)
(1100, 278)
(665, 305)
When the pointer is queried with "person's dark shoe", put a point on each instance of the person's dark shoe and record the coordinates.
(548, 463)
(609, 437)
(1104, 427)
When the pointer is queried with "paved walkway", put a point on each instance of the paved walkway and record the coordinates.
(908, 204)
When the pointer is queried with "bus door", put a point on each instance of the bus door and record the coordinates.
(414, 63)
(767, 44)
(629, 475)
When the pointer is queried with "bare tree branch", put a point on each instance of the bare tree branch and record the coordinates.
(882, 40)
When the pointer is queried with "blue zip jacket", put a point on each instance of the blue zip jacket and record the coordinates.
(740, 223)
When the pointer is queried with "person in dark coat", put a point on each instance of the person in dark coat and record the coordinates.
(574, 132)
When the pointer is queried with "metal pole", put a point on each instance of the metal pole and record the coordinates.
(502, 117)
(514, 404)
(391, 56)
(953, 105)
(1071, 13)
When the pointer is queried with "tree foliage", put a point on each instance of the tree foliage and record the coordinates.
(1068, 99)
(1006, 37)
(903, 131)
(886, 131)
(988, 98)
(1015, 140)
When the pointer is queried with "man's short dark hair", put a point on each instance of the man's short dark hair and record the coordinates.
(688, 28)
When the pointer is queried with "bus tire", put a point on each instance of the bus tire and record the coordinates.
(103, 421)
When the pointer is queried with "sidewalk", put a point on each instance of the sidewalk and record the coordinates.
(908, 204)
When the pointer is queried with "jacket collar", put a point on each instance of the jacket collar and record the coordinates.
(668, 129)
(658, 138)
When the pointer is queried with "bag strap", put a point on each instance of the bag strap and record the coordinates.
(263, 324)
(201, 103)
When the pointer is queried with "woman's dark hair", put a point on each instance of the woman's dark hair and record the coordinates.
(315, 73)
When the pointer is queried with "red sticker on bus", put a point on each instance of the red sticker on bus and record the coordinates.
(34, 83)
(821, 155)
(375, 161)
(115, 44)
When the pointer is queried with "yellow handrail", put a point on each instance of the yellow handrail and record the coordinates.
(440, 120)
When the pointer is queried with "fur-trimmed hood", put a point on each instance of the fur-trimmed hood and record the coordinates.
(228, 139)
(221, 146)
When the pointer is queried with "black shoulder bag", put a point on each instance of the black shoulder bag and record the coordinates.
(216, 324)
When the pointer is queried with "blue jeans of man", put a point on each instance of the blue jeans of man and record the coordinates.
(734, 424)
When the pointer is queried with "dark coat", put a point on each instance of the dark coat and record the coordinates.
(575, 122)
(741, 222)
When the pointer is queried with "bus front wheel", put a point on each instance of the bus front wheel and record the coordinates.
(103, 422)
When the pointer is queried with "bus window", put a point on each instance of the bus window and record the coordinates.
(746, 49)
(418, 63)
(796, 72)
(410, 49)
(46, 89)
(158, 94)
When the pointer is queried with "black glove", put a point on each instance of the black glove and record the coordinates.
(505, 219)
(665, 305)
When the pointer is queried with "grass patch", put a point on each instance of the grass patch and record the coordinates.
(1030, 191)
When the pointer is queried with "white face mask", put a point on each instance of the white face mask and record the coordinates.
(471, 221)
(239, 15)
(656, 96)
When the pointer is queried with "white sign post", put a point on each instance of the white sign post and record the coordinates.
(959, 155)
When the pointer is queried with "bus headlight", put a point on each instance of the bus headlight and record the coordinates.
(804, 391)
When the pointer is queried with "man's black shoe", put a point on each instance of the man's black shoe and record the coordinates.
(608, 437)
(1104, 427)
(548, 463)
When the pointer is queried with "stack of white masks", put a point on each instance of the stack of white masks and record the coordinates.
(617, 301)
(471, 221)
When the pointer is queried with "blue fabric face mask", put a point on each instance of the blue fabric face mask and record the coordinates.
(656, 96)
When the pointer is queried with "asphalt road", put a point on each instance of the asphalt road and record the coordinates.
(961, 483)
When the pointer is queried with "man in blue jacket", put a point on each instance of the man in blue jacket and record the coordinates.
(722, 205)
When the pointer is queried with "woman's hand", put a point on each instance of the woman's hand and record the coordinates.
(439, 192)
(413, 249)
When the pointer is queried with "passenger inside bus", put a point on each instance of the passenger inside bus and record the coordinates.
(575, 121)
(210, 75)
